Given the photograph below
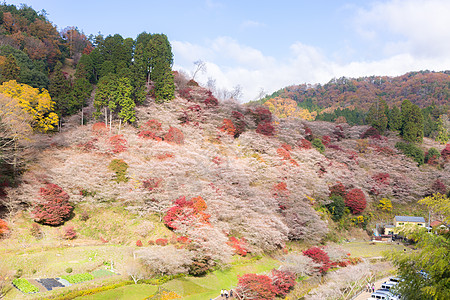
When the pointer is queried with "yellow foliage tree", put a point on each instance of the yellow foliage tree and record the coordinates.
(286, 108)
(37, 104)
(385, 204)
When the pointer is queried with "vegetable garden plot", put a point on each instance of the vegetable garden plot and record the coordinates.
(50, 283)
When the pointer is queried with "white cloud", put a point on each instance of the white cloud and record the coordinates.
(420, 27)
(412, 35)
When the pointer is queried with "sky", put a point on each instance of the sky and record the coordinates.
(263, 46)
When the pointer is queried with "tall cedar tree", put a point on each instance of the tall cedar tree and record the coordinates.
(412, 122)
(376, 116)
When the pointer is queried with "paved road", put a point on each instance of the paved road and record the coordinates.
(365, 295)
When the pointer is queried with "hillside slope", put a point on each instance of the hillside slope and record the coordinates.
(264, 188)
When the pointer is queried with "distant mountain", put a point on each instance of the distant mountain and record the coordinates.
(422, 88)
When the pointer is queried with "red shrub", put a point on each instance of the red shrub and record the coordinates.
(284, 154)
(147, 134)
(356, 201)
(183, 240)
(326, 140)
(186, 93)
(210, 100)
(119, 143)
(445, 153)
(151, 183)
(151, 242)
(283, 281)
(438, 187)
(258, 287)
(305, 144)
(335, 147)
(239, 245)
(69, 233)
(184, 210)
(54, 207)
(174, 136)
(338, 189)
(381, 178)
(99, 128)
(228, 127)
(103, 240)
(3, 227)
(319, 256)
(161, 242)
(286, 147)
(139, 243)
(308, 134)
(261, 115)
(265, 128)
(239, 123)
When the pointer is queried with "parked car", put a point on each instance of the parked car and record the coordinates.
(391, 295)
(395, 279)
(388, 285)
(379, 296)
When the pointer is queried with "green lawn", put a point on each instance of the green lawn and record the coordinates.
(370, 249)
(128, 292)
(209, 286)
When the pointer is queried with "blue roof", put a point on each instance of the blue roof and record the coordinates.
(409, 219)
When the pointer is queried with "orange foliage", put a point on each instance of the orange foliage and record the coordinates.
(3, 227)
(228, 127)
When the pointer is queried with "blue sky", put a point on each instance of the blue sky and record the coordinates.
(267, 45)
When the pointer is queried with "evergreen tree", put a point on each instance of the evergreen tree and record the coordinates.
(59, 89)
(376, 115)
(412, 122)
(395, 119)
(161, 60)
(10, 70)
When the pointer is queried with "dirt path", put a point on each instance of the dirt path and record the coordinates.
(365, 295)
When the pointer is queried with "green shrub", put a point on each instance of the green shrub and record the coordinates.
(336, 207)
(432, 155)
(69, 270)
(317, 143)
(25, 286)
(77, 278)
(120, 167)
(411, 150)
(19, 273)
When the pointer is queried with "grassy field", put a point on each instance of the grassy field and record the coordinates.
(370, 249)
(209, 286)
(129, 292)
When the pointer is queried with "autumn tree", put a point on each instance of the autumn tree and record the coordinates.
(37, 104)
(53, 207)
(254, 286)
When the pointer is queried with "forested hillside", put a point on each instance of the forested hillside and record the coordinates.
(422, 88)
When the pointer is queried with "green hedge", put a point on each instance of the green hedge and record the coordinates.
(25, 286)
(74, 294)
